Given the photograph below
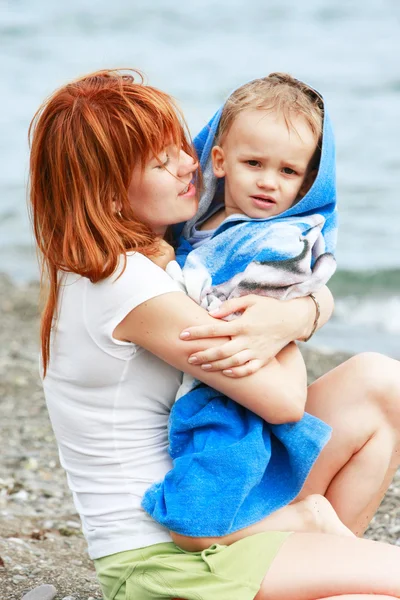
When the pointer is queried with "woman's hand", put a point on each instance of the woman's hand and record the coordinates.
(264, 329)
(258, 335)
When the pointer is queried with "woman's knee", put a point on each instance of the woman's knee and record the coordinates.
(379, 377)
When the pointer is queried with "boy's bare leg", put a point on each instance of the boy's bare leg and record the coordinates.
(360, 399)
(313, 514)
(323, 566)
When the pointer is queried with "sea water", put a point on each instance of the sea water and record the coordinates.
(199, 51)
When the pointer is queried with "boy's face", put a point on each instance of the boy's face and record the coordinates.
(266, 165)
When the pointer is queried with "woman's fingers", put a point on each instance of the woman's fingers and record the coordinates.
(217, 329)
(228, 358)
(241, 358)
(248, 369)
(218, 353)
(231, 306)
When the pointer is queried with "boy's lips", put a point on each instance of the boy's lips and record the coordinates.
(262, 201)
(264, 197)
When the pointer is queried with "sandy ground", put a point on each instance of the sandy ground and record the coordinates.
(40, 538)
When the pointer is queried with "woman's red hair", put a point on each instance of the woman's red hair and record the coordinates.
(86, 140)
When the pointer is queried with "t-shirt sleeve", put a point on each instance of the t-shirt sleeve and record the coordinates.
(107, 302)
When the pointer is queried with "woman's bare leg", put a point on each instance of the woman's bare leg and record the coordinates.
(358, 597)
(312, 565)
(360, 399)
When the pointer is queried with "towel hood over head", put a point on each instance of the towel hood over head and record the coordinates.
(321, 198)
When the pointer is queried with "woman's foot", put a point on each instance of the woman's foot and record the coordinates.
(321, 516)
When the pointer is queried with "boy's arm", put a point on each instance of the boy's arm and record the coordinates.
(155, 325)
(290, 372)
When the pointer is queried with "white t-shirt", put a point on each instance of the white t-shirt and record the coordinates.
(109, 403)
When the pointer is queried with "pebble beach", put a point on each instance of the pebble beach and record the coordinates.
(40, 537)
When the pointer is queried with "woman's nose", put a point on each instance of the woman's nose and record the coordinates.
(187, 164)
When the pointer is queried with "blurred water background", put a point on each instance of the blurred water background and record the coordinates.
(199, 51)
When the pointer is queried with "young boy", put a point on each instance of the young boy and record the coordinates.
(268, 153)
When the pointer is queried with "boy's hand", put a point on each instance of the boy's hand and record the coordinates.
(166, 253)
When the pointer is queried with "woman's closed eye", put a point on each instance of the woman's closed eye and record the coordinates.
(163, 164)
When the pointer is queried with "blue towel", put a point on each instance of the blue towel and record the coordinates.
(230, 467)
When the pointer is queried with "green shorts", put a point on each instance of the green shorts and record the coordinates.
(164, 571)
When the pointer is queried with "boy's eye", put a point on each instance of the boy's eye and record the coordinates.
(288, 171)
(253, 163)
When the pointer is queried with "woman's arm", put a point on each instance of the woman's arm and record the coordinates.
(156, 324)
(265, 327)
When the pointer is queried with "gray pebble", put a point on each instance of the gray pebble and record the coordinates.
(7, 559)
(18, 578)
(68, 598)
(73, 524)
(43, 592)
(48, 524)
(21, 496)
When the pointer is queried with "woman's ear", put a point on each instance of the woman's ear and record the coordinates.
(218, 160)
(308, 182)
(117, 206)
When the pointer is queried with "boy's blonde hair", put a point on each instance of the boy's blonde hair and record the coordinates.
(280, 92)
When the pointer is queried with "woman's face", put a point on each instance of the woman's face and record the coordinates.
(163, 194)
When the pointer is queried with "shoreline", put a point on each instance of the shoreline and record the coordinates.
(40, 538)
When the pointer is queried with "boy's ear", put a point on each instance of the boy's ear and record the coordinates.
(218, 160)
(308, 182)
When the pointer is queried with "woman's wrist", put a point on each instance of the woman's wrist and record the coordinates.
(302, 313)
(316, 318)
(301, 317)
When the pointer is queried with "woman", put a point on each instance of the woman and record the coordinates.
(111, 170)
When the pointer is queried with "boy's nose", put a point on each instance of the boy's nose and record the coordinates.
(187, 164)
(267, 182)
